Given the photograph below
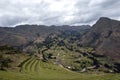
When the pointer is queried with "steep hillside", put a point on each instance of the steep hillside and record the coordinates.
(11, 58)
(104, 36)
(24, 35)
(65, 50)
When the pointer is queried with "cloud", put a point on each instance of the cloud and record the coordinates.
(56, 12)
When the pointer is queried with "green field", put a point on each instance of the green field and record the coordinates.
(35, 69)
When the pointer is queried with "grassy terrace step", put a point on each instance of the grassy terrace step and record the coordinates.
(34, 65)
(29, 66)
(24, 67)
(39, 70)
(27, 63)
(34, 69)
(38, 67)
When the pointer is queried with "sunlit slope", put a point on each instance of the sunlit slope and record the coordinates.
(35, 69)
(35, 65)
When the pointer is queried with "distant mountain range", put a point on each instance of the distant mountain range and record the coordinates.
(23, 35)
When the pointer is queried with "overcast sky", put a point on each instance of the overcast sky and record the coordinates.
(56, 12)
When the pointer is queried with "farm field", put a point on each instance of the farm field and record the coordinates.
(35, 69)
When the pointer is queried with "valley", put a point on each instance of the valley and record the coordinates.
(38, 52)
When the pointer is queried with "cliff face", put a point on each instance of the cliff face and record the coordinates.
(104, 36)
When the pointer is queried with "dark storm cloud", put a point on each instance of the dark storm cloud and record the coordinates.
(56, 12)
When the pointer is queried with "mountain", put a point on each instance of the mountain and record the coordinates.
(78, 48)
(24, 35)
(104, 36)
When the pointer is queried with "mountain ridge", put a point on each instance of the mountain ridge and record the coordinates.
(78, 48)
(105, 37)
(25, 34)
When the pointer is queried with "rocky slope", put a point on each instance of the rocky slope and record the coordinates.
(24, 35)
(104, 36)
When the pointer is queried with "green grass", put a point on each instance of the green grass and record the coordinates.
(48, 75)
(34, 69)
(25, 66)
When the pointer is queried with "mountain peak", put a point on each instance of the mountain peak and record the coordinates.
(105, 22)
(104, 18)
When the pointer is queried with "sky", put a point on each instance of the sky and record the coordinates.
(56, 12)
